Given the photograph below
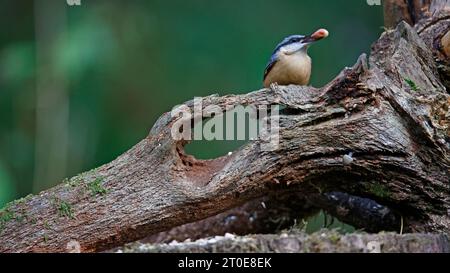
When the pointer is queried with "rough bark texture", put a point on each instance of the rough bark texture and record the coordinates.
(411, 11)
(297, 242)
(391, 111)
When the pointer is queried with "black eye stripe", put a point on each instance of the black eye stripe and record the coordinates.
(289, 40)
(295, 40)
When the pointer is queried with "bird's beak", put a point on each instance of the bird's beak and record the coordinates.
(316, 36)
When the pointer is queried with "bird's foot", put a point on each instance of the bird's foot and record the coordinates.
(274, 87)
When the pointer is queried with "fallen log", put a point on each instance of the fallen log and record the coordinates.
(378, 132)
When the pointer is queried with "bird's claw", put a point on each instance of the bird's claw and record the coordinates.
(274, 86)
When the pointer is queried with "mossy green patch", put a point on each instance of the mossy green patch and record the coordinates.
(96, 187)
(6, 215)
(73, 182)
(412, 84)
(20, 218)
(13, 211)
(379, 190)
(80, 179)
(65, 209)
(335, 237)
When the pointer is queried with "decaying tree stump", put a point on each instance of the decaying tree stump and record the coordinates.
(390, 111)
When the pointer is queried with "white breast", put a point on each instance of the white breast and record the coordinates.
(290, 69)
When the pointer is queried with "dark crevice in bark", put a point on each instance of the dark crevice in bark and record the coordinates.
(432, 23)
(412, 10)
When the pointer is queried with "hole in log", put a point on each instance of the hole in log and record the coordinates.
(215, 139)
(286, 111)
(205, 150)
(222, 134)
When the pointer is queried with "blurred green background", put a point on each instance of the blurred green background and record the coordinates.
(79, 85)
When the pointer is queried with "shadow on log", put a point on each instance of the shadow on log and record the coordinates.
(390, 112)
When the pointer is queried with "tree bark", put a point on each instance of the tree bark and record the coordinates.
(411, 11)
(391, 111)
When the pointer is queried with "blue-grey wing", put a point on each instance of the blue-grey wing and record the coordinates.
(270, 65)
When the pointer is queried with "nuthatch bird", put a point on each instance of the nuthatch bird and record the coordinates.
(290, 63)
